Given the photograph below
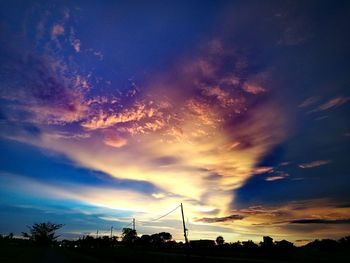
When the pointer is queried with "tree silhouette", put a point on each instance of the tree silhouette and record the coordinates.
(161, 238)
(145, 240)
(165, 236)
(43, 233)
(284, 245)
(220, 240)
(129, 235)
(267, 242)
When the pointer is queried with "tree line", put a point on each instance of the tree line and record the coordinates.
(44, 234)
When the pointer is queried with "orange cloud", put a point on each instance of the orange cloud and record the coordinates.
(104, 120)
(264, 169)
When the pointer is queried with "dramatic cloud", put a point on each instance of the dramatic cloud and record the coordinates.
(139, 124)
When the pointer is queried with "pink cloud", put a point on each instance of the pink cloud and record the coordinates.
(56, 31)
(115, 141)
(224, 97)
(274, 178)
(314, 164)
(279, 176)
(77, 45)
(335, 102)
(253, 88)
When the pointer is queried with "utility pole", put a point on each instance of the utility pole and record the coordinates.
(183, 223)
(97, 233)
(133, 224)
(111, 232)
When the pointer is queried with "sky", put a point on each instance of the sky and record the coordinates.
(113, 110)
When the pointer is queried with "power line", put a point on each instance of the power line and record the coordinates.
(152, 220)
(126, 225)
(165, 214)
(121, 228)
(158, 218)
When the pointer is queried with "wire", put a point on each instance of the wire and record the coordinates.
(121, 228)
(156, 219)
(152, 220)
(165, 214)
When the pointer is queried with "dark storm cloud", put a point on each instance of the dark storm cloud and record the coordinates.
(229, 218)
(345, 205)
(214, 176)
(165, 160)
(320, 221)
(308, 221)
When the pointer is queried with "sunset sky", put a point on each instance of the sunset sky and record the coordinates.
(113, 110)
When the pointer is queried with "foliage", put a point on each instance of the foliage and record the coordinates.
(129, 235)
(220, 240)
(267, 242)
(43, 233)
(160, 238)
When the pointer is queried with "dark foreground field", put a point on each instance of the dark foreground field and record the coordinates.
(30, 254)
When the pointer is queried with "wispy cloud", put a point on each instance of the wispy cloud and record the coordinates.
(308, 102)
(332, 103)
(274, 178)
(263, 169)
(229, 218)
(314, 164)
(277, 175)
